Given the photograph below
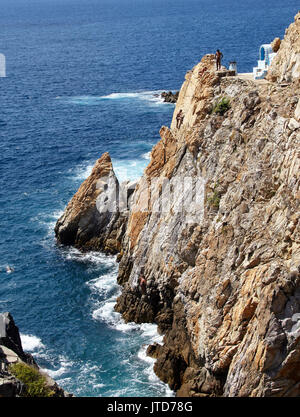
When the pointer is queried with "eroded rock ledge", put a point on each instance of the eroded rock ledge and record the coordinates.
(213, 228)
(11, 352)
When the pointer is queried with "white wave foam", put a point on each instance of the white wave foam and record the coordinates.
(105, 310)
(55, 373)
(126, 327)
(120, 96)
(104, 284)
(150, 330)
(150, 97)
(149, 371)
(147, 155)
(93, 257)
(64, 367)
(98, 385)
(47, 221)
(129, 170)
(124, 169)
(144, 357)
(82, 172)
(106, 313)
(31, 343)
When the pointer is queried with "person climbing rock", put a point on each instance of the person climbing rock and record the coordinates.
(218, 57)
(142, 284)
(179, 119)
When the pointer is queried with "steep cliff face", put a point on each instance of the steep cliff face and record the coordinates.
(286, 64)
(213, 228)
(223, 245)
(215, 232)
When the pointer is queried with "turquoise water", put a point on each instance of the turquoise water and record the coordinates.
(82, 79)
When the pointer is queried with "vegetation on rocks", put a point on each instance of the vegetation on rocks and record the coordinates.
(221, 106)
(213, 199)
(35, 382)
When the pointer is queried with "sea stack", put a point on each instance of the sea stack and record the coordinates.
(94, 218)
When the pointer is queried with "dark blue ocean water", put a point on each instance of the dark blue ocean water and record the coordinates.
(81, 80)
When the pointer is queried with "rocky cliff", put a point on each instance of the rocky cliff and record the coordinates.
(96, 215)
(212, 231)
(12, 353)
(286, 64)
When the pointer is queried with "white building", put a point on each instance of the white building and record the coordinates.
(266, 54)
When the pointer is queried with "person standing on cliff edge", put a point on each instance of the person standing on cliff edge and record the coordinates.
(218, 57)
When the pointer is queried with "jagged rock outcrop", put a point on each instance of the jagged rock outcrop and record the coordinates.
(196, 91)
(95, 218)
(286, 64)
(169, 97)
(213, 228)
(275, 44)
(220, 249)
(11, 352)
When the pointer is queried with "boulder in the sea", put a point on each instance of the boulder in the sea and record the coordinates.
(169, 97)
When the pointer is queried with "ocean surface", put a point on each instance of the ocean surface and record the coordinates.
(83, 78)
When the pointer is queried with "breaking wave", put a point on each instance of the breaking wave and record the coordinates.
(145, 334)
(147, 97)
(31, 343)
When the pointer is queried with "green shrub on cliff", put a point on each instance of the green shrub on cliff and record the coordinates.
(213, 199)
(35, 382)
(221, 106)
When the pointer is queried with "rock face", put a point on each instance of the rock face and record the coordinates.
(276, 44)
(96, 215)
(11, 352)
(169, 97)
(220, 247)
(196, 91)
(286, 64)
(213, 228)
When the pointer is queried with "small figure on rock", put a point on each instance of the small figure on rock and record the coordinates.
(142, 284)
(218, 57)
(179, 119)
(203, 71)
